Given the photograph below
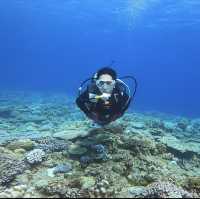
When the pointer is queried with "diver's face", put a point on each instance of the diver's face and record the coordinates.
(105, 83)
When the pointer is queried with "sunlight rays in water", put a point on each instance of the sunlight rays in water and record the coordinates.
(136, 11)
(125, 14)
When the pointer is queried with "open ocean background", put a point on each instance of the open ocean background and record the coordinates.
(52, 45)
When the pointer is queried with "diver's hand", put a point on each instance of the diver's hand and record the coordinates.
(95, 98)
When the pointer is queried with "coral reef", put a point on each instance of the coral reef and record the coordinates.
(48, 148)
(26, 144)
(49, 144)
(86, 160)
(193, 184)
(10, 167)
(62, 168)
(156, 190)
(165, 190)
(35, 156)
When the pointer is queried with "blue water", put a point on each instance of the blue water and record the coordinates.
(53, 45)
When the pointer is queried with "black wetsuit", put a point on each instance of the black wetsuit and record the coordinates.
(101, 112)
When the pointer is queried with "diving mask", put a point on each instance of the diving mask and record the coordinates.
(105, 86)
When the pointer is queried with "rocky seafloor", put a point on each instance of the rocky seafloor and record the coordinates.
(48, 148)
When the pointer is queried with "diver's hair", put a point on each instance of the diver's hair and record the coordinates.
(107, 70)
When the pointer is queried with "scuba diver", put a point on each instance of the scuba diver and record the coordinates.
(106, 98)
